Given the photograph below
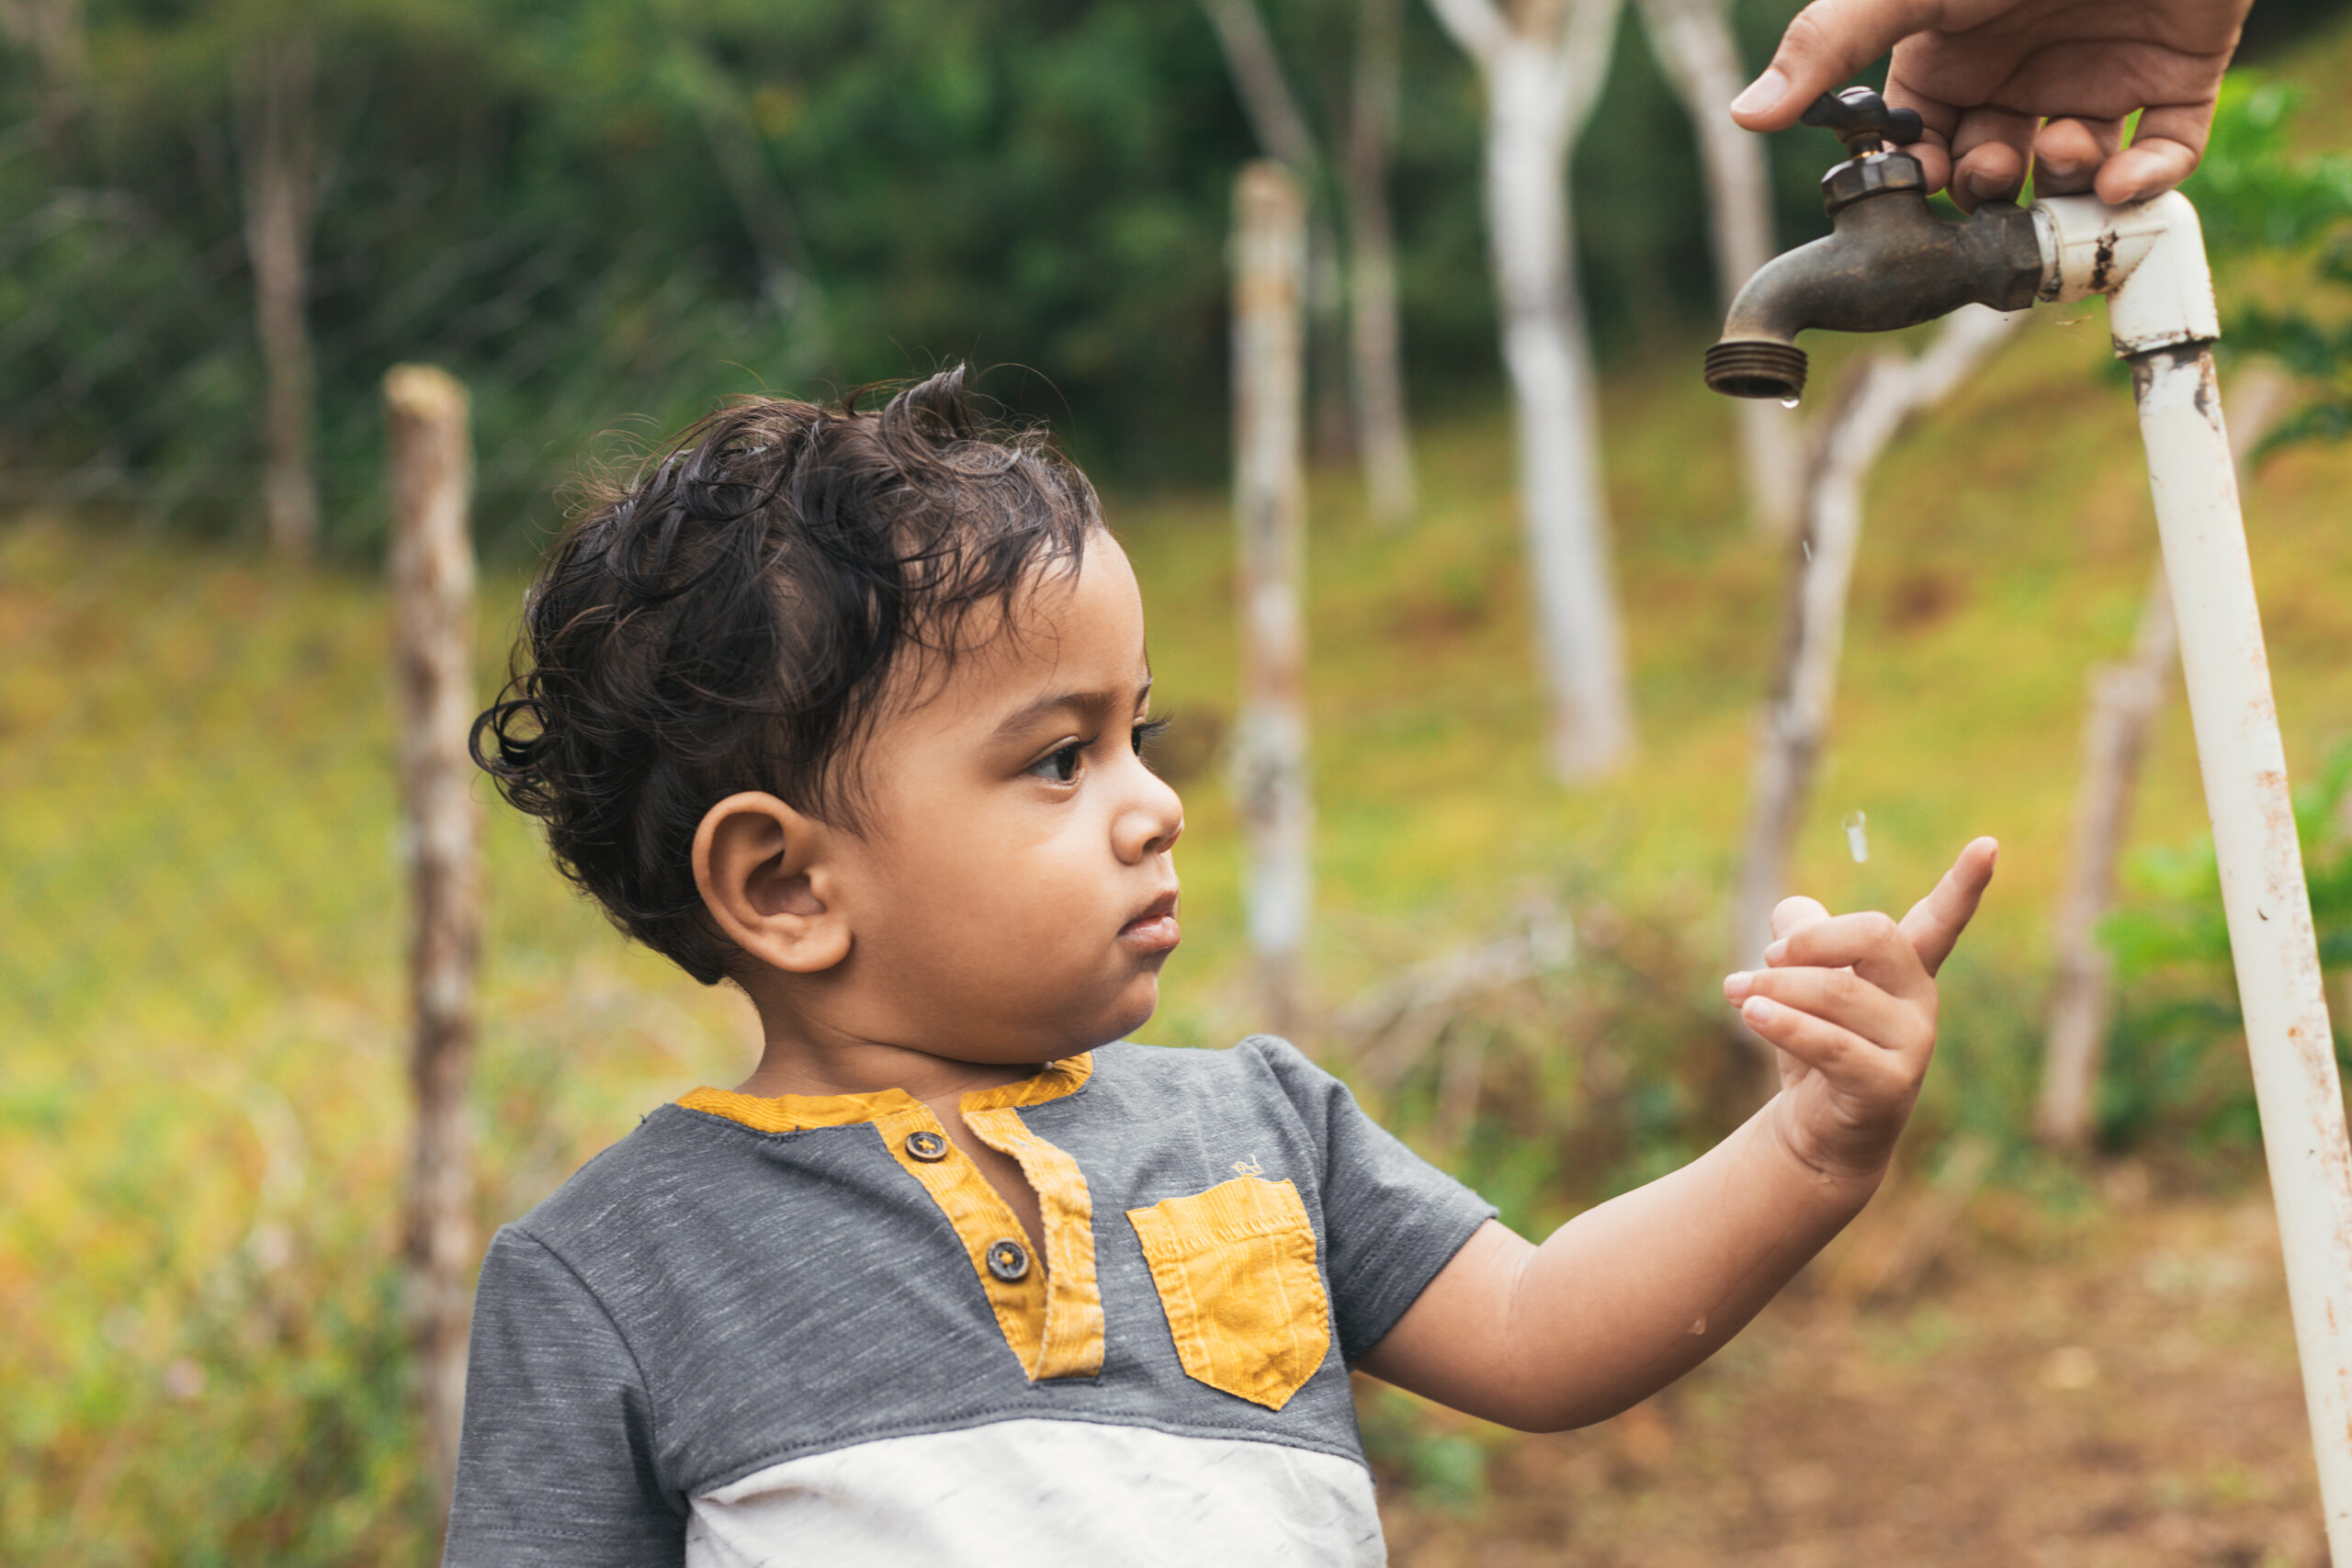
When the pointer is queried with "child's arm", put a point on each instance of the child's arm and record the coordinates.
(1629, 1296)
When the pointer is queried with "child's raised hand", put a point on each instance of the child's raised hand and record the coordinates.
(1850, 1002)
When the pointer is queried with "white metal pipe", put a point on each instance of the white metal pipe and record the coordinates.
(2149, 259)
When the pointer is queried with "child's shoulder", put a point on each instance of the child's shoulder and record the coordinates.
(670, 1156)
(1257, 1066)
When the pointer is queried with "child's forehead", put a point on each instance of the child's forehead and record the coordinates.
(1074, 627)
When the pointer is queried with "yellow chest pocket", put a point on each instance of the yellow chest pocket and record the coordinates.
(1235, 1268)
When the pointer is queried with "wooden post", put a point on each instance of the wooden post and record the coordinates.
(2124, 701)
(432, 630)
(1268, 510)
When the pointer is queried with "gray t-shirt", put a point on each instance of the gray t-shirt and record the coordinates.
(806, 1329)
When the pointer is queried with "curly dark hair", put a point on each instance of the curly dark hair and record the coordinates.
(730, 621)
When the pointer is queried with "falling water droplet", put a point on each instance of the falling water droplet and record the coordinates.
(1788, 403)
(1855, 842)
(1808, 547)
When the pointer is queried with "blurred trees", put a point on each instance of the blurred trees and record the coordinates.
(1542, 64)
(1694, 44)
(629, 207)
(1372, 421)
(277, 154)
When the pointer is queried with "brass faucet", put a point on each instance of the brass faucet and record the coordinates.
(1888, 262)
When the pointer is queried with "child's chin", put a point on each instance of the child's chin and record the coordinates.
(1138, 1011)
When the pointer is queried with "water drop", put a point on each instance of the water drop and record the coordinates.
(1788, 403)
(1808, 547)
(1858, 845)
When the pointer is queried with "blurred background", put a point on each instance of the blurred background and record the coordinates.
(2060, 1336)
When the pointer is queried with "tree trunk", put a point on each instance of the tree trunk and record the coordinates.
(1270, 507)
(1384, 433)
(785, 278)
(432, 609)
(278, 147)
(1884, 394)
(1283, 135)
(52, 32)
(1531, 123)
(2124, 701)
(1693, 42)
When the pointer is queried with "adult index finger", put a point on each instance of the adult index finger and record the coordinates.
(1936, 922)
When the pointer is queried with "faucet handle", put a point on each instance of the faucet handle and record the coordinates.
(1860, 118)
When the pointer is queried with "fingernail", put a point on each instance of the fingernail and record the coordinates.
(1777, 952)
(1736, 985)
(1761, 94)
(1759, 1010)
(1984, 187)
(2062, 167)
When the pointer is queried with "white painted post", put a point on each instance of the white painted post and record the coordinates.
(2271, 940)
(2149, 260)
(1270, 521)
(2125, 701)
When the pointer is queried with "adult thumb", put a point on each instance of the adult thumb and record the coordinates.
(1825, 43)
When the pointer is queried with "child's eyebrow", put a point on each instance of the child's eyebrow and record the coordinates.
(1085, 703)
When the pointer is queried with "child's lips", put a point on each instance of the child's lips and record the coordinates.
(1155, 930)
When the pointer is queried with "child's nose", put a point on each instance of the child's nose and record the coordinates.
(1153, 823)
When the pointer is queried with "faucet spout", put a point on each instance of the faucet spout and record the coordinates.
(1889, 261)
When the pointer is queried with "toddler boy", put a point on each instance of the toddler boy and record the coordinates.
(847, 708)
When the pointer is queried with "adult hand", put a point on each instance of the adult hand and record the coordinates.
(1985, 73)
(1850, 1000)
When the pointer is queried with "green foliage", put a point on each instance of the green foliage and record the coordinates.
(2176, 1058)
(608, 215)
(1440, 1461)
(2261, 203)
(2254, 196)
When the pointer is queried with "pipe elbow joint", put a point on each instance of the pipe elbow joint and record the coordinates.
(2147, 258)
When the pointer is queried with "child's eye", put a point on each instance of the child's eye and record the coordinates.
(1147, 732)
(1060, 766)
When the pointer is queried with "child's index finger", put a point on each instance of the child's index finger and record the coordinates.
(1936, 922)
(1867, 941)
(1794, 913)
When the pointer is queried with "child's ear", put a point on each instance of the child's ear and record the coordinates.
(765, 872)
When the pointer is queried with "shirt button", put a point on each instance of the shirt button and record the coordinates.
(927, 1147)
(1007, 1260)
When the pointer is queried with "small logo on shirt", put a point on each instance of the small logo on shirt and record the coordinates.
(1248, 1167)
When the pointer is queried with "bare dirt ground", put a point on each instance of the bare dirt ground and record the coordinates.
(2113, 1385)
